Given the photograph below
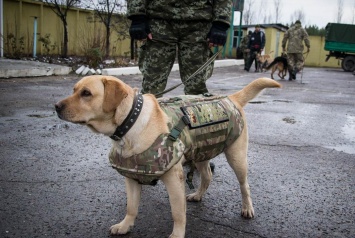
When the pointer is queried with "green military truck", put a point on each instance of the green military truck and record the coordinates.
(340, 42)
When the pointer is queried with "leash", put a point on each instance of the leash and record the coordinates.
(194, 74)
(304, 61)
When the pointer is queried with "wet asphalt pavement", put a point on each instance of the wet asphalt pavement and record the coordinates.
(56, 180)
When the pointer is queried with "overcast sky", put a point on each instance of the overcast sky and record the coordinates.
(317, 12)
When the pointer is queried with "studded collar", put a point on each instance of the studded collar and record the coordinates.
(129, 121)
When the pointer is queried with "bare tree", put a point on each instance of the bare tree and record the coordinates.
(340, 8)
(106, 10)
(121, 26)
(267, 18)
(260, 12)
(298, 15)
(248, 13)
(61, 8)
(277, 8)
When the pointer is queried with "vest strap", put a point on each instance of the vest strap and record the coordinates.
(176, 131)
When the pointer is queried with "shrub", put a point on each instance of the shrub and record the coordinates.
(46, 42)
(94, 57)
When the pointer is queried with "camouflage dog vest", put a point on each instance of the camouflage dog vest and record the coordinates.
(201, 128)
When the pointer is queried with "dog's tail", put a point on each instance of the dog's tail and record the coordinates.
(253, 89)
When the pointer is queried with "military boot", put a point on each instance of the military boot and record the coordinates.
(290, 74)
(295, 71)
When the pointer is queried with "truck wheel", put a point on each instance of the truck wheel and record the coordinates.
(348, 63)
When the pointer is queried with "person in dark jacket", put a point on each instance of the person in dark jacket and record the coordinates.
(256, 45)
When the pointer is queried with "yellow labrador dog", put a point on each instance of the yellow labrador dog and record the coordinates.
(135, 123)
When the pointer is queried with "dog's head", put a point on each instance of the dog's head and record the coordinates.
(94, 102)
(284, 54)
(261, 58)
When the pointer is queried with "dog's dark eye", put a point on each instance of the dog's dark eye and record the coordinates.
(86, 93)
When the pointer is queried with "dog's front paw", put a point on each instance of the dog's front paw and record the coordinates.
(247, 212)
(174, 236)
(120, 228)
(194, 197)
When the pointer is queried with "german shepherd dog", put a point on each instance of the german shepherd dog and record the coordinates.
(279, 63)
(263, 61)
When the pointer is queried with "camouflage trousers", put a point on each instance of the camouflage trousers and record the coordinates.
(246, 57)
(185, 40)
(252, 58)
(295, 62)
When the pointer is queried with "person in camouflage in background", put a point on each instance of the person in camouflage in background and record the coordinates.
(244, 47)
(295, 37)
(173, 27)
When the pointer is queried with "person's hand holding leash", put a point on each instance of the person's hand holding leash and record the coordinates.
(218, 34)
(139, 29)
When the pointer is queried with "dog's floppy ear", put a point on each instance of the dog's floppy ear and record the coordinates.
(115, 92)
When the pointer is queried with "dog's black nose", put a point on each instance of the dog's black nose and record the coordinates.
(59, 107)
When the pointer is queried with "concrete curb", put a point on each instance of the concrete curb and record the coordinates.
(18, 73)
(15, 69)
(19, 68)
(135, 70)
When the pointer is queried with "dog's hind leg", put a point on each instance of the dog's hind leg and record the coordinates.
(133, 190)
(237, 158)
(284, 72)
(206, 176)
(280, 74)
(272, 73)
(175, 185)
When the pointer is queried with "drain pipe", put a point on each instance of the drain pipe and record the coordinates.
(1, 29)
(34, 37)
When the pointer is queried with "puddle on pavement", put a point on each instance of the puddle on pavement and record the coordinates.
(257, 102)
(287, 101)
(260, 102)
(39, 115)
(55, 127)
(289, 120)
(349, 128)
(348, 131)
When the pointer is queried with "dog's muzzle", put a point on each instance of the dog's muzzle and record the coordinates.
(59, 106)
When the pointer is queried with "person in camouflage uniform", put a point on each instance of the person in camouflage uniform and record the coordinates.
(244, 47)
(295, 37)
(170, 28)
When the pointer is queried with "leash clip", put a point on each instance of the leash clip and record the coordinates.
(189, 179)
(120, 144)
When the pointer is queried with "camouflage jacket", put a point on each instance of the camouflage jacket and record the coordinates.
(209, 10)
(213, 124)
(295, 37)
(244, 43)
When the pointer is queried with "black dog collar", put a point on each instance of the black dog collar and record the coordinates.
(132, 117)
